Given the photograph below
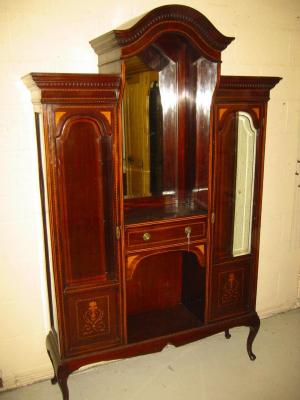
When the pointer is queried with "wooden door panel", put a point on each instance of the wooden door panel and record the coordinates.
(92, 320)
(230, 294)
(84, 152)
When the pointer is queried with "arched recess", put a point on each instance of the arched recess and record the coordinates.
(134, 260)
(165, 292)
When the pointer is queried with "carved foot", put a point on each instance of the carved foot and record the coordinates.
(252, 333)
(54, 380)
(227, 334)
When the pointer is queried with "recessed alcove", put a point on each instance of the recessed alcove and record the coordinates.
(165, 294)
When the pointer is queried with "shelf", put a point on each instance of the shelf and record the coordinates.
(161, 322)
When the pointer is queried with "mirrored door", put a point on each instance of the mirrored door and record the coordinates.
(235, 161)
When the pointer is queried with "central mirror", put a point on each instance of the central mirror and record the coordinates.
(149, 117)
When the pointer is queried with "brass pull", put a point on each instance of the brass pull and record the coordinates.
(146, 236)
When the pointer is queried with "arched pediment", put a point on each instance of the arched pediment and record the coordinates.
(177, 20)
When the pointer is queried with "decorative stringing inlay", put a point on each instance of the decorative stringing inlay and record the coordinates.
(107, 115)
(58, 116)
(221, 112)
(230, 290)
(93, 317)
(131, 264)
(201, 248)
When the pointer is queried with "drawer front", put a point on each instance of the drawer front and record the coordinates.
(152, 235)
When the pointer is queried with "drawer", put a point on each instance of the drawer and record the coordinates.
(164, 233)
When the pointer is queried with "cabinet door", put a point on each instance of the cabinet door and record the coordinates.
(231, 289)
(238, 157)
(236, 182)
(87, 195)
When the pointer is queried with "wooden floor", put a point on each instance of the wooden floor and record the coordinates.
(210, 369)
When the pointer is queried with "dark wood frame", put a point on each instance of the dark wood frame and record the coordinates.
(87, 94)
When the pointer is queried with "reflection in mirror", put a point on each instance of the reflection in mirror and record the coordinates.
(204, 81)
(244, 185)
(149, 112)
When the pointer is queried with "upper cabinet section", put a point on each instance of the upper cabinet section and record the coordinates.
(170, 64)
(152, 30)
(77, 128)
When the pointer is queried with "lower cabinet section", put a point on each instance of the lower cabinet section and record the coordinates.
(92, 319)
(230, 292)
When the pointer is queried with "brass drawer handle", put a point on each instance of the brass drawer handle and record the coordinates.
(146, 236)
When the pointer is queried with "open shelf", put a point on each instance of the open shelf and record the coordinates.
(165, 295)
(161, 322)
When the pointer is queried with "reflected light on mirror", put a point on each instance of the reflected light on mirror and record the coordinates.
(168, 98)
(203, 99)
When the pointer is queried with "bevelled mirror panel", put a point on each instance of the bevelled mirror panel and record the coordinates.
(235, 152)
(150, 129)
(244, 185)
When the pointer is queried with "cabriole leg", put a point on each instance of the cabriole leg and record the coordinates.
(62, 378)
(252, 333)
(54, 379)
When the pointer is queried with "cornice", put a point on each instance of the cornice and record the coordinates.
(72, 81)
(248, 82)
(77, 88)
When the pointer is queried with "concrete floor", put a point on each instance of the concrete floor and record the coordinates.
(210, 369)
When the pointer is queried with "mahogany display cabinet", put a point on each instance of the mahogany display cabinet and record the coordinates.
(151, 184)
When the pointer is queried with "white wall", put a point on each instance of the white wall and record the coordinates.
(53, 36)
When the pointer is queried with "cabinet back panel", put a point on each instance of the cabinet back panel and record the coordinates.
(156, 283)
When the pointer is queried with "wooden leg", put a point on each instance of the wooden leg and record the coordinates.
(54, 379)
(227, 334)
(62, 378)
(252, 333)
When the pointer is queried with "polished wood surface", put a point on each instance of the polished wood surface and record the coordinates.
(128, 276)
(167, 232)
(81, 168)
